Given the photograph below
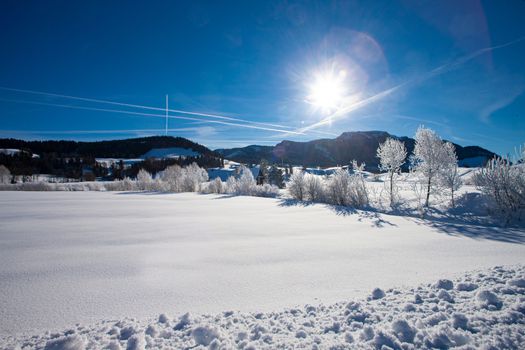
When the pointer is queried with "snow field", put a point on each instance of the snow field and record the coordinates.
(83, 257)
(484, 309)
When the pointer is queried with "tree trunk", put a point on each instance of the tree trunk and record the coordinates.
(428, 192)
(391, 189)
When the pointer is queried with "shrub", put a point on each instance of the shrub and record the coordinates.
(296, 186)
(314, 188)
(504, 184)
(347, 190)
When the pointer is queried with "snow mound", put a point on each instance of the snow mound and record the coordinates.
(204, 335)
(69, 342)
(519, 282)
(444, 284)
(377, 293)
(491, 317)
(488, 300)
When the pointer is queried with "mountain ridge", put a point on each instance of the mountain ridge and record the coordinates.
(350, 145)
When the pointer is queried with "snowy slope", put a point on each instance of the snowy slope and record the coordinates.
(68, 257)
(14, 151)
(173, 152)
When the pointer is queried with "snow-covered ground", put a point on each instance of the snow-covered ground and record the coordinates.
(83, 257)
(484, 309)
(173, 152)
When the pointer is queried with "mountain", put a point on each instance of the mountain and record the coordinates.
(358, 145)
(248, 154)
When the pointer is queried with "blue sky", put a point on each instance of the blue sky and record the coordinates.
(454, 66)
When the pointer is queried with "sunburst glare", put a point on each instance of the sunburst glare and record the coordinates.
(327, 90)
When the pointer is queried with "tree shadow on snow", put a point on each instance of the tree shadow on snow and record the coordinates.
(362, 215)
(471, 226)
(145, 193)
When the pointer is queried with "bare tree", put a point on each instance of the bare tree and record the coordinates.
(392, 154)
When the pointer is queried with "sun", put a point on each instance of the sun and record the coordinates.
(327, 90)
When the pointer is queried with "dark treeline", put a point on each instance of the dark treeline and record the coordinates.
(127, 148)
(77, 160)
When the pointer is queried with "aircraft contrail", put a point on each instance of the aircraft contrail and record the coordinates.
(108, 131)
(248, 126)
(339, 114)
(86, 99)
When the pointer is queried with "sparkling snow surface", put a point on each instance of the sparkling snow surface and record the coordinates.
(86, 257)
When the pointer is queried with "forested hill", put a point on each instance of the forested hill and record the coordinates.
(127, 148)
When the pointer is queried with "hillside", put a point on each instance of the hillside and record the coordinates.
(71, 159)
(358, 145)
(127, 148)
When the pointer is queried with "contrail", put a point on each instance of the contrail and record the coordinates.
(108, 131)
(141, 106)
(248, 126)
(434, 72)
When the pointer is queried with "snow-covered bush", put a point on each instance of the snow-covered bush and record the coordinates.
(243, 184)
(314, 188)
(392, 154)
(504, 184)
(121, 185)
(172, 178)
(5, 175)
(192, 177)
(266, 190)
(35, 186)
(296, 186)
(339, 188)
(144, 180)
(187, 179)
(215, 186)
(347, 190)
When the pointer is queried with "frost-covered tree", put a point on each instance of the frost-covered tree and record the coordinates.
(504, 184)
(187, 179)
(275, 177)
(392, 154)
(192, 177)
(5, 174)
(244, 182)
(296, 186)
(314, 188)
(263, 176)
(449, 176)
(144, 180)
(429, 158)
(172, 178)
(216, 186)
